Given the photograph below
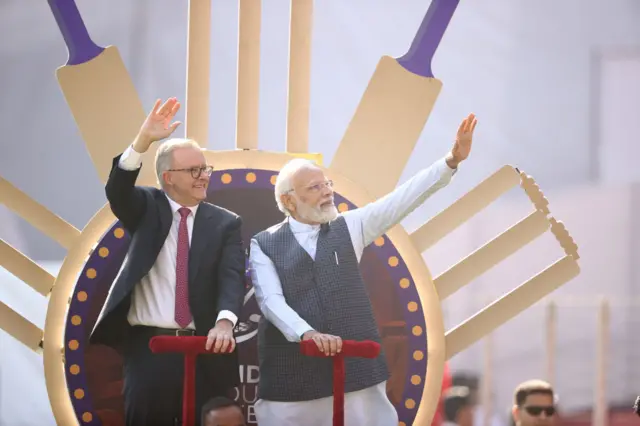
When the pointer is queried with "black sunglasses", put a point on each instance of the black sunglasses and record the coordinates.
(535, 410)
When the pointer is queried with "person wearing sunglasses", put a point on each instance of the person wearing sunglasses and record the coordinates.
(534, 404)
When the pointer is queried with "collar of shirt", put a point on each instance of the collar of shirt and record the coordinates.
(175, 207)
(302, 228)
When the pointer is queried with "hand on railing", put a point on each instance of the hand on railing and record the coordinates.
(350, 348)
(193, 345)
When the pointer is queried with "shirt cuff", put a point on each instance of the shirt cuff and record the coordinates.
(228, 315)
(130, 159)
(445, 169)
(301, 329)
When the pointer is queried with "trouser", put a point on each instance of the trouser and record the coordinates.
(366, 407)
(153, 383)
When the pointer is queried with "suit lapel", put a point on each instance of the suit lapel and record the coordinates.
(200, 237)
(166, 218)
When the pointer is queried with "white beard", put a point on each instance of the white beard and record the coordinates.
(317, 214)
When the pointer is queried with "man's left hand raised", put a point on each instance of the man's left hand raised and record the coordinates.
(464, 138)
(220, 338)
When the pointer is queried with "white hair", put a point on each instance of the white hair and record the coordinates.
(283, 181)
(164, 155)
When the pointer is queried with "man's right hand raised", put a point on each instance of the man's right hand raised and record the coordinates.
(157, 125)
(326, 343)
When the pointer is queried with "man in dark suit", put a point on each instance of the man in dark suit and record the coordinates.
(184, 275)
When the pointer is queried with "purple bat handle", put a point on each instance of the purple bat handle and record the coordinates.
(418, 59)
(79, 44)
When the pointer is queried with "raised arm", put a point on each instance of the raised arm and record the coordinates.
(270, 297)
(126, 201)
(376, 218)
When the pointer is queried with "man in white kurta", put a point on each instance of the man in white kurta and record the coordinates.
(306, 197)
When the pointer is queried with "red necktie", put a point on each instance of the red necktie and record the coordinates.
(182, 312)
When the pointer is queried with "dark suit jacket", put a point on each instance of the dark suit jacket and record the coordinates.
(216, 265)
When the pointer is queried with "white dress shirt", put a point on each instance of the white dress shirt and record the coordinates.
(365, 224)
(153, 298)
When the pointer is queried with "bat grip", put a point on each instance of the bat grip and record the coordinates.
(434, 24)
(79, 44)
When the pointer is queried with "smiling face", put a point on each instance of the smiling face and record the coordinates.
(311, 198)
(187, 180)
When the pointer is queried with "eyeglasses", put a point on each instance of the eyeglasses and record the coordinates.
(536, 410)
(316, 187)
(320, 186)
(196, 172)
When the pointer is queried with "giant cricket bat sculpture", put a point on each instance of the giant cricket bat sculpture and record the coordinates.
(394, 109)
(100, 93)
